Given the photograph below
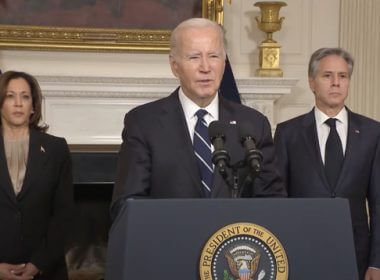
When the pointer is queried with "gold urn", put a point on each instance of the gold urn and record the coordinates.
(270, 21)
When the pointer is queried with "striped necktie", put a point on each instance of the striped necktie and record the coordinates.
(202, 150)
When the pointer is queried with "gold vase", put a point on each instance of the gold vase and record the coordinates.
(270, 21)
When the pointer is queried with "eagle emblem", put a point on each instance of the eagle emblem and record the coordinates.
(243, 262)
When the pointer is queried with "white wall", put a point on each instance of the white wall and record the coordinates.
(360, 35)
(86, 63)
(308, 25)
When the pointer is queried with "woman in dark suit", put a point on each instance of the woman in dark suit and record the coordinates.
(36, 191)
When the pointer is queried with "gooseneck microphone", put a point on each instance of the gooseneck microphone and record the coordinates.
(253, 157)
(220, 157)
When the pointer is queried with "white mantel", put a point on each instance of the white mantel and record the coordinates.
(90, 110)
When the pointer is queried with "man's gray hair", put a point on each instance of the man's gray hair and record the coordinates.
(194, 23)
(318, 55)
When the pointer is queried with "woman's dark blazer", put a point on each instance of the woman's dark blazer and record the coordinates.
(33, 224)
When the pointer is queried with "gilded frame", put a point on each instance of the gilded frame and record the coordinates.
(96, 39)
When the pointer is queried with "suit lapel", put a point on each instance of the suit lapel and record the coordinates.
(312, 146)
(36, 160)
(353, 140)
(226, 114)
(174, 123)
(5, 179)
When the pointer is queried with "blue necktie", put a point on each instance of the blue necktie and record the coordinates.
(333, 154)
(202, 150)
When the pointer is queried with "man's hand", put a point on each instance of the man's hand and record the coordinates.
(11, 271)
(30, 271)
(372, 274)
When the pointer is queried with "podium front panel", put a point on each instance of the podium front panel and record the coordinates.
(164, 238)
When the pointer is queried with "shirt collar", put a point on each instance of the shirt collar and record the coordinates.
(321, 117)
(190, 107)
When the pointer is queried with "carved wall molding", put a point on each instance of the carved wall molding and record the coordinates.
(90, 110)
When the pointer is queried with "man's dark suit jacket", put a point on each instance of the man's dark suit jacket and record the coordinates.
(34, 223)
(157, 159)
(301, 166)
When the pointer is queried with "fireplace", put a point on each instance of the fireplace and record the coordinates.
(93, 176)
(90, 110)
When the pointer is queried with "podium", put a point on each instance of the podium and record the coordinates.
(165, 238)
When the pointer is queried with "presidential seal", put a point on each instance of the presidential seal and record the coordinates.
(243, 251)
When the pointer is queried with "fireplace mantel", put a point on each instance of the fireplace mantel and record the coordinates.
(90, 110)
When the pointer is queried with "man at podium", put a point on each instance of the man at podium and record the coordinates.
(166, 150)
(334, 152)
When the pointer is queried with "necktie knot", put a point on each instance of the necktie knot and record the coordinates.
(201, 113)
(331, 122)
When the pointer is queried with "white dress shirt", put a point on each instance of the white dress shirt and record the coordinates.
(190, 108)
(323, 129)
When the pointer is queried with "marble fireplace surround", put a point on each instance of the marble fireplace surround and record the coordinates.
(90, 110)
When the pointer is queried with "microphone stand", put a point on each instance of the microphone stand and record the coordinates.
(235, 185)
(231, 178)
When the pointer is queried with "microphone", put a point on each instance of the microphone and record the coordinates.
(253, 157)
(220, 157)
